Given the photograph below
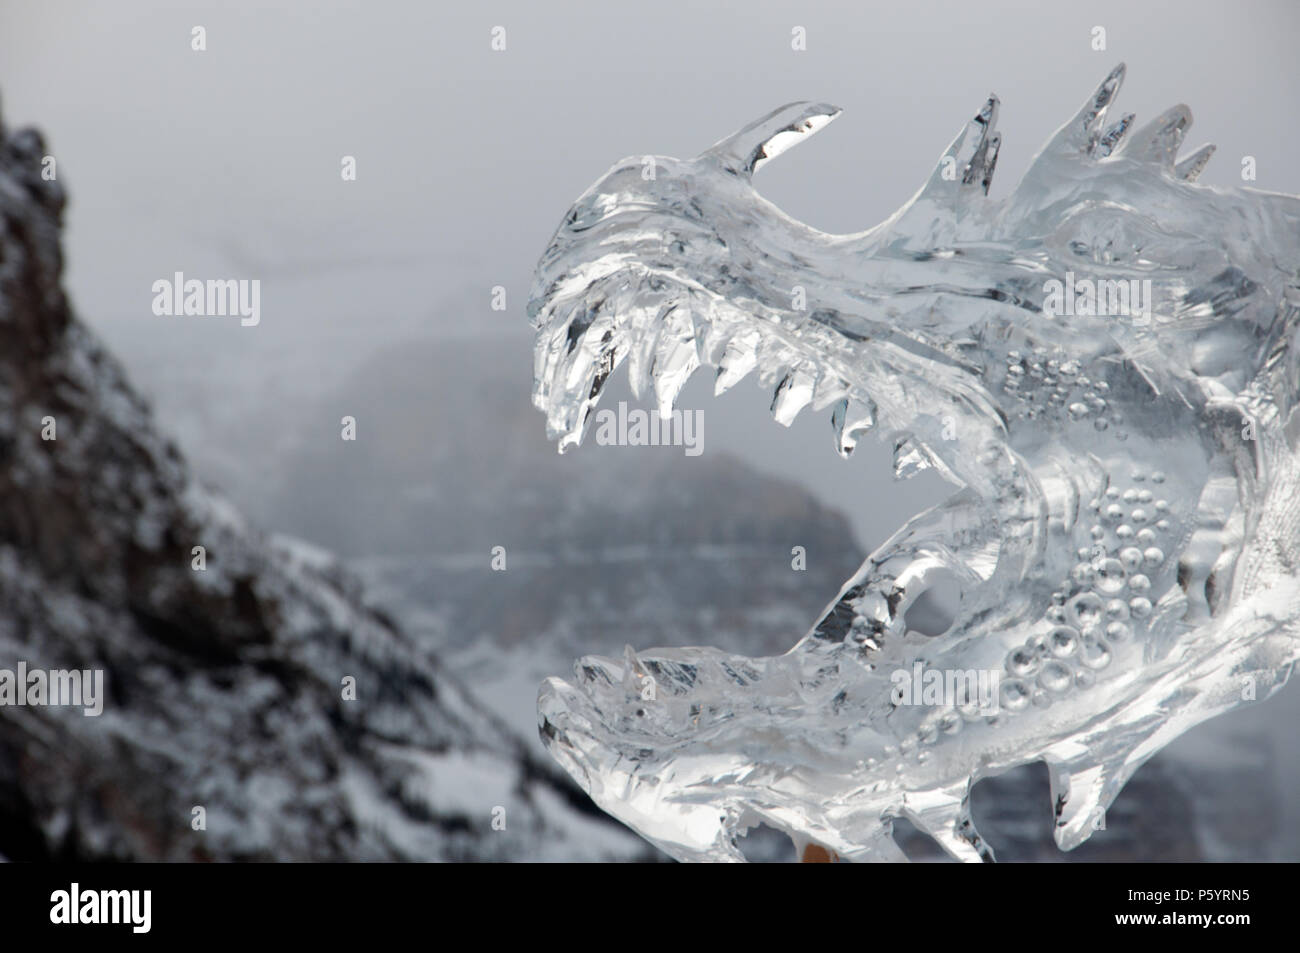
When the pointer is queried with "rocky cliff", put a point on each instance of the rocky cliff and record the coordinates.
(225, 677)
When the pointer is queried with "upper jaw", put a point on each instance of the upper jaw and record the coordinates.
(664, 326)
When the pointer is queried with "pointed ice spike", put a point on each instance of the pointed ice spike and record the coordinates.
(910, 458)
(969, 149)
(567, 419)
(851, 419)
(746, 151)
(1081, 793)
(711, 337)
(1159, 140)
(1080, 132)
(793, 394)
(948, 821)
(546, 360)
(633, 670)
(578, 383)
(675, 361)
(644, 347)
(1190, 169)
(738, 359)
(566, 404)
(1110, 139)
(585, 354)
(974, 167)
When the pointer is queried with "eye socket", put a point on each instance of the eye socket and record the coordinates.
(935, 609)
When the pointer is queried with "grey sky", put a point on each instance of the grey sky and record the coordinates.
(227, 162)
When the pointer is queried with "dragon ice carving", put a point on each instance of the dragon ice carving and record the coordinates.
(1126, 525)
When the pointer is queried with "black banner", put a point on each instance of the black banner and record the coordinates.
(143, 903)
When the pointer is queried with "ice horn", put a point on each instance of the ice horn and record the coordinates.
(968, 161)
(1190, 169)
(746, 151)
(1159, 140)
(1082, 132)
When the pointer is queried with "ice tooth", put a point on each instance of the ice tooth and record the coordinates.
(712, 334)
(675, 360)
(739, 358)
(1082, 131)
(945, 816)
(1080, 793)
(910, 457)
(547, 359)
(793, 394)
(851, 419)
(670, 374)
(634, 671)
(585, 355)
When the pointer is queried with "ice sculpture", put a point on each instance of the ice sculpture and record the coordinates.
(1102, 362)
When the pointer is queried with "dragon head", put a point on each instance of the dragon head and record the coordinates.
(1100, 362)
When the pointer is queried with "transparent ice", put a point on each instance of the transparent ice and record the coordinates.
(1125, 525)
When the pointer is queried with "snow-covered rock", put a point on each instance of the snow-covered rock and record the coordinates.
(225, 686)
